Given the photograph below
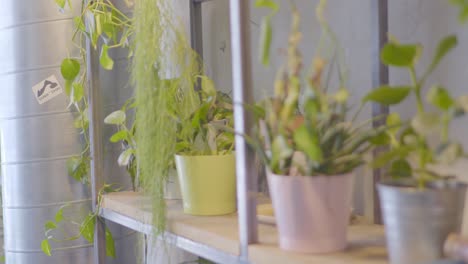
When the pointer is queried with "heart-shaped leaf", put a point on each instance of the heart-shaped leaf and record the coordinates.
(45, 246)
(70, 68)
(388, 95)
(439, 96)
(444, 47)
(124, 157)
(116, 118)
(119, 136)
(105, 60)
(110, 245)
(400, 55)
(400, 169)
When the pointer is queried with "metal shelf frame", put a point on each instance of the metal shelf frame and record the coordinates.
(242, 95)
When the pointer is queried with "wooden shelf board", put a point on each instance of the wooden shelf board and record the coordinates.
(366, 242)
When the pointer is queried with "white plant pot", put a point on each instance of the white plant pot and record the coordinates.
(312, 212)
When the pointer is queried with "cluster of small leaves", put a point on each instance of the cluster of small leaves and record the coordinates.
(54, 228)
(208, 129)
(311, 137)
(411, 153)
(126, 136)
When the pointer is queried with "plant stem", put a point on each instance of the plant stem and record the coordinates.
(417, 90)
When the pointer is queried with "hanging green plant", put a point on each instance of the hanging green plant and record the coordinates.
(164, 65)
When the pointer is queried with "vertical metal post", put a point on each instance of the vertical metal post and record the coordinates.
(242, 93)
(196, 26)
(96, 146)
(196, 31)
(380, 76)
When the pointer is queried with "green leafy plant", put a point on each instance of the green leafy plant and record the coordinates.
(418, 146)
(126, 136)
(311, 136)
(206, 131)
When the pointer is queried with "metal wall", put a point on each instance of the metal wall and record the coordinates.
(37, 139)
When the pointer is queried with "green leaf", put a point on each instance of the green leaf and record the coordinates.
(393, 122)
(208, 86)
(399, 55)
(49, 225)
(444, 47)
(109, 30)
(79, 24)
(110, 245)
(87, 228)
(280, 150)
(45, 246)
(73, 165)
(125, 156)
(106, 61)
(425, 123)
(77, 92)
(60, 3)
(70, 68)
(266, 36)
(388, 95)
(116, 118)
(270, 4)
(341, 96)
(119, 136)
(386, 157)
(401, 169)
(308, 143)
(59, 216)
(380, 139)
(99, 18)
(439, 97)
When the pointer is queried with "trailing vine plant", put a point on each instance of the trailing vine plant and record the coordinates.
(126, 136)
(106, 26)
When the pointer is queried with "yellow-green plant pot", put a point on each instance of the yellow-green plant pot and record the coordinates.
(208, 184)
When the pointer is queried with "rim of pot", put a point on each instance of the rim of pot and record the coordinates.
(411, 185)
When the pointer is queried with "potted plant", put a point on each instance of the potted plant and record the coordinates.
(205, 160)
(311, 149)
(421, 204)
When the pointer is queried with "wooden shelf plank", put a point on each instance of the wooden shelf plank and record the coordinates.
(216, 237)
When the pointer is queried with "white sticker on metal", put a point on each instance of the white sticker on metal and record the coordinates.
(47, 89)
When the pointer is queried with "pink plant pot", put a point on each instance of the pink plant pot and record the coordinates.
(312, 212)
